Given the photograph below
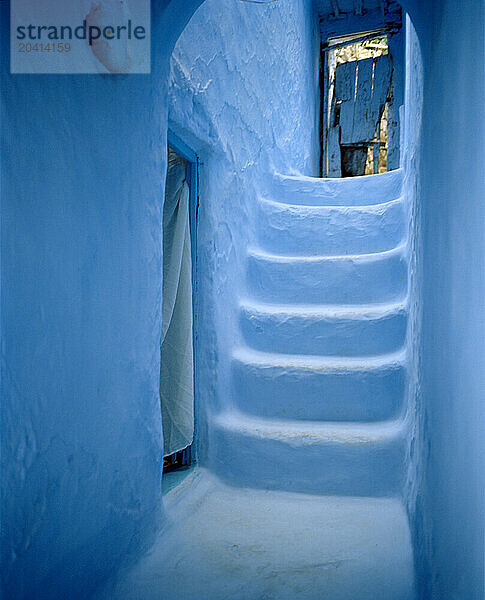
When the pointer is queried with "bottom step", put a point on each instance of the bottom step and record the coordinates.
(355, 459)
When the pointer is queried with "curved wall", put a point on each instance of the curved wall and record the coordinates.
(83, 164)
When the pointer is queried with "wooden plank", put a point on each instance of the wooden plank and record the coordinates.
(363, 118)
(361, 89)
(345, 81)
(323, 124)
(376, 150)
(382, 83)
(334, 158)
(345, 75)
(361, 106)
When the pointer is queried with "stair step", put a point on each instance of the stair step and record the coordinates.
(351, 191)
(356, 279)
(321, 389)
(357, 459)
(324, 330)
(331, 230)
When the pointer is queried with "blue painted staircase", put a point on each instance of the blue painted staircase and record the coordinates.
(302, 497)
(319, 371)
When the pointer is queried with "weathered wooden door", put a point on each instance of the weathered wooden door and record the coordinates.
(360, 93)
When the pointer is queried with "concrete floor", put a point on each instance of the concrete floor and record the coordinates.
(224, 542)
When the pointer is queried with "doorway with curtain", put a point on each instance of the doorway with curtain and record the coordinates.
(177, 370)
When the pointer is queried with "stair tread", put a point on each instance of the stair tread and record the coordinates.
(263, 255)
(319, 363)
(326, 311)
(343, 181)
(312, 209)
(356, 191)
(312, 431)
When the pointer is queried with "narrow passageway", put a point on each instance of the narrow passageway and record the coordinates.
(313, 447)
(303, 408)
(254, 371)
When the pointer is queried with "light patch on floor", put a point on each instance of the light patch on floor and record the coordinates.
(224, 542)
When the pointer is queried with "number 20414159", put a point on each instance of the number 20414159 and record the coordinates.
(50, 47)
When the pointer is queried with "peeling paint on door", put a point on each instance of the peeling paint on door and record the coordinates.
(361, 91)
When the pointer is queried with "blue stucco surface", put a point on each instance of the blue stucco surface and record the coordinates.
(453, 291)
(83, 164)
(83, 161)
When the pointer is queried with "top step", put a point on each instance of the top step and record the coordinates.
(348, 191)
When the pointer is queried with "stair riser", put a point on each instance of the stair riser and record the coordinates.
(321, 281)
(323, 336)
(361, 469)
(298, 394)
(297, 231)
(352, 191)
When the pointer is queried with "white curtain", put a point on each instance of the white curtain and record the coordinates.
(176, 372)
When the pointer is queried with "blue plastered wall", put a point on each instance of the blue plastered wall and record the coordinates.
(453, 292)
(83, 164)
(445, 184)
